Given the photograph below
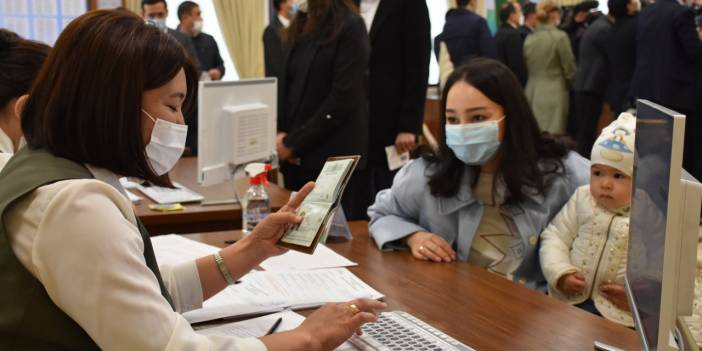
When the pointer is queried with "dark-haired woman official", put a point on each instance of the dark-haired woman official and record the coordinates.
(323, 107)
(77, 268)
(20, 61)
(492, 187)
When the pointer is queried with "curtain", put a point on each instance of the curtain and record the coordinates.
(133, 5)
(242, 23)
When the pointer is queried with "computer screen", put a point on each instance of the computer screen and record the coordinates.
(654, 228)
(237, 123)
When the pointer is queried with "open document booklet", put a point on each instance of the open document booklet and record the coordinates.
(319, 206)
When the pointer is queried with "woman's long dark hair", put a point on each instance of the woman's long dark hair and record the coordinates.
(527, 155)
(323, 20)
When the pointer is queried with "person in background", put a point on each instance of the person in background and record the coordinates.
(493, 186)
(577, 24)
(78, 268)
(551, 68)
(621, 53)
(591, 79)
(400, 37)
(156, 11)
(510, 42)
(465, 36)
(322, 100)
(584, 250)
(190, 18)
(674, 79)
(20, 61)
(272, 37)
(530, 21)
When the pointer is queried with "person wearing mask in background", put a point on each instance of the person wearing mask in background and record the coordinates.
(20, 61)
(621, 53)
(156, 11)
(322, 101)
(190, 18)
(591, 79)
(77, 267)
(272, 36)
(551, 68)
(510, 42)
(668, 70)
(491, 188)
(465, 36)
(400, 38)
(530, 21)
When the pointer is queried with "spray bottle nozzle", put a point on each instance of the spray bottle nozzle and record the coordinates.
(257, 173)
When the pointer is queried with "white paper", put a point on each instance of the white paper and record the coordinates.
(258, 327)
(45, 8)
(395, 160)
(163, 195)
(261, 292)
(73, 8)
(127, 183)
(135, 199)
(174, 249)
(323, 257)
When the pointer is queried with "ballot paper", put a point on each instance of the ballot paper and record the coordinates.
(395, 159)
(260, 292)
(258, 327)
(318, 208)
(174, 249)
(323, 257)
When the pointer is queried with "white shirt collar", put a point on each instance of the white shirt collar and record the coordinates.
(108, 177)
(6, 145)
(284, 21)
(368, 10)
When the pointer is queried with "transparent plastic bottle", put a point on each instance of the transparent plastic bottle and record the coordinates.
(256, 204)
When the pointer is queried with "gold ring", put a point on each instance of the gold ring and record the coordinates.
(354, 309)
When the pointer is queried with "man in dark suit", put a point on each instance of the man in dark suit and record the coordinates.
(529, 11)
(668, 70)
(510, 42)
(466, 34)
(621, 54)
(400, 37)
(591, 80)
(190, 18)
(272, 40)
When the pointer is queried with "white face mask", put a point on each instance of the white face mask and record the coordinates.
(159, 23)
(197, 27)
(167, 144)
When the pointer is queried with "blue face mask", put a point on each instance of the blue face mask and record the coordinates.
(474, 143)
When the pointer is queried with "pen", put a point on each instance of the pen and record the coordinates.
(229, 241)
(275, 326)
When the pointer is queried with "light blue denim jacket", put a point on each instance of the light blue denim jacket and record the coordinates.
(408, 206)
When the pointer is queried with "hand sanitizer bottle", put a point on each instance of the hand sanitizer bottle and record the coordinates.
(256, 205)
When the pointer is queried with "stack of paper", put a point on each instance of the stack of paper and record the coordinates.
(323, 257)
(163, 195)
(258, 327)
(174, 249)
(261, 292)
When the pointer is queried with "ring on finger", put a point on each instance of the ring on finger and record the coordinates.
(421, 248)
(354, 309)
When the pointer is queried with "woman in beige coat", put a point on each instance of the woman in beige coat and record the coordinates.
(551, 67)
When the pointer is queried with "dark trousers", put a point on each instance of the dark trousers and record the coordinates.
(692, 153)
(354, 201)
(588, 108)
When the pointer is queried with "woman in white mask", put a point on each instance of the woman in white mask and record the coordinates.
(491, 188)
(77, 268)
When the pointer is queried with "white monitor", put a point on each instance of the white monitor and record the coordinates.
(665, 218)
(237, 125)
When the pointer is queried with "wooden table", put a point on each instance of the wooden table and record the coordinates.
(478, 308)
(197, 218)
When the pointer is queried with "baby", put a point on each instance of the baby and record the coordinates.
(584, 249)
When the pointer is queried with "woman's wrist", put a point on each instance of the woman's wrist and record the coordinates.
(242, 257)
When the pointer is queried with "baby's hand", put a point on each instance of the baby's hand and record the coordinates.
(571, 284)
